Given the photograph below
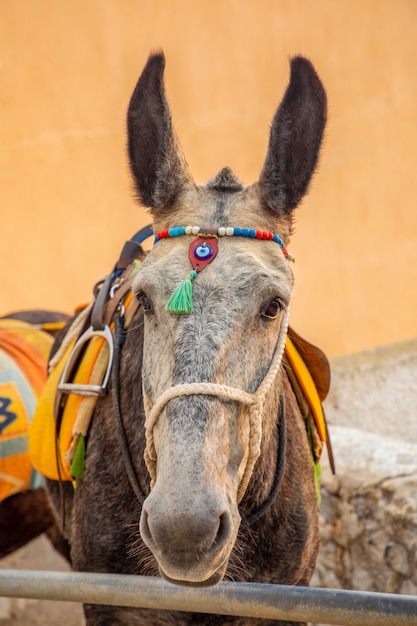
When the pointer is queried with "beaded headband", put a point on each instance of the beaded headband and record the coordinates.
(202, 251)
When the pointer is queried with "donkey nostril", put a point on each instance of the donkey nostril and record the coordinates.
(224, 530)
(145, 531)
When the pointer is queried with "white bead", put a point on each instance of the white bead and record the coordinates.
(221, 231)
(188, 230)
(230, 231)
(195, 230)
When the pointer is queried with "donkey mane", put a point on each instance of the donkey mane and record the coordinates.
(225, 181)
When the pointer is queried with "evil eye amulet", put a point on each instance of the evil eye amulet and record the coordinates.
(204, 251)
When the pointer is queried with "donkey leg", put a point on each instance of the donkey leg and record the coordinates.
(118, 616)
(23, 517)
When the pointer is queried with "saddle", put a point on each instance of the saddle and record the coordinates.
(80, 370)
(308, 370)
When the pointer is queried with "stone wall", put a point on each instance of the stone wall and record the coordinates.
(369, 509)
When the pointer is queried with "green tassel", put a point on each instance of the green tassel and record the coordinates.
(316, 466)
(317, 474)
(78, 462)
(181, 300)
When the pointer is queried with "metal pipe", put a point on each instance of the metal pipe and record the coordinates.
(279, 602)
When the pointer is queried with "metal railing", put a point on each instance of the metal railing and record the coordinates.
(279, 602)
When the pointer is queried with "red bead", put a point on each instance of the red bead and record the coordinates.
(258, 234)
(163, 234)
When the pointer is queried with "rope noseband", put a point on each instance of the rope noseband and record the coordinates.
(255, 401)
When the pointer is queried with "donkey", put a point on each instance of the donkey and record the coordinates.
(224, 477)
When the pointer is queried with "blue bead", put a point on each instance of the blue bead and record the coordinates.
(252, 233)
(238, 232)
(245, 232)
(181, 230)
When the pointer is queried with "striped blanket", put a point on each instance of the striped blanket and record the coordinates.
(24, 351)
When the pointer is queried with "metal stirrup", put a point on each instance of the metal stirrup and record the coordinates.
(86, 389)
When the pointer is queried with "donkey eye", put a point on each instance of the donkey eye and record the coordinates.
(145, 301)
(272, 310)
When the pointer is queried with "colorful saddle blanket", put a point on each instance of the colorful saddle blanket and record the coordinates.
(24, 351)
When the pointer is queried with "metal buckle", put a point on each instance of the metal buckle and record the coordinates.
(81, 388)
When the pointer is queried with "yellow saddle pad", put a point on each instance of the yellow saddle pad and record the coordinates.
(309, 399)
(44, 441)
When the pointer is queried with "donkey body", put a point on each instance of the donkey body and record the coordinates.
(225, 496)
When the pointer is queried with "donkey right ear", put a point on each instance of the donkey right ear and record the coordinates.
(295, 139)
(156, 160)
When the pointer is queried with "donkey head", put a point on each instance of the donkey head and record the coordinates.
(209, 408)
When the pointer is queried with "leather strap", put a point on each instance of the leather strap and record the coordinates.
(131, 251)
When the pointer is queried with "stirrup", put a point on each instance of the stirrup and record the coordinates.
(86, 389)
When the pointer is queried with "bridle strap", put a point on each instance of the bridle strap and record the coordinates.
(121, 432)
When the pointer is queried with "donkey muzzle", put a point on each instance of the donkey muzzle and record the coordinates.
(191, 539)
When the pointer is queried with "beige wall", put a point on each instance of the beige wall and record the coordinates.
(67, 70)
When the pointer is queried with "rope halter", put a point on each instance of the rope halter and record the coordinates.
(201, 252)
(255, 402)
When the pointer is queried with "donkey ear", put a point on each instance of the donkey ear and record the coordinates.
(156, 161)
(295, 139)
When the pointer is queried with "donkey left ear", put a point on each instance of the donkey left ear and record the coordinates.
(156, 160)
(295, 139)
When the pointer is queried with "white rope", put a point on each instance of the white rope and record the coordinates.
(254, 400)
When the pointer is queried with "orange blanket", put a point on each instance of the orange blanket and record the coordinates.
(24, 352)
